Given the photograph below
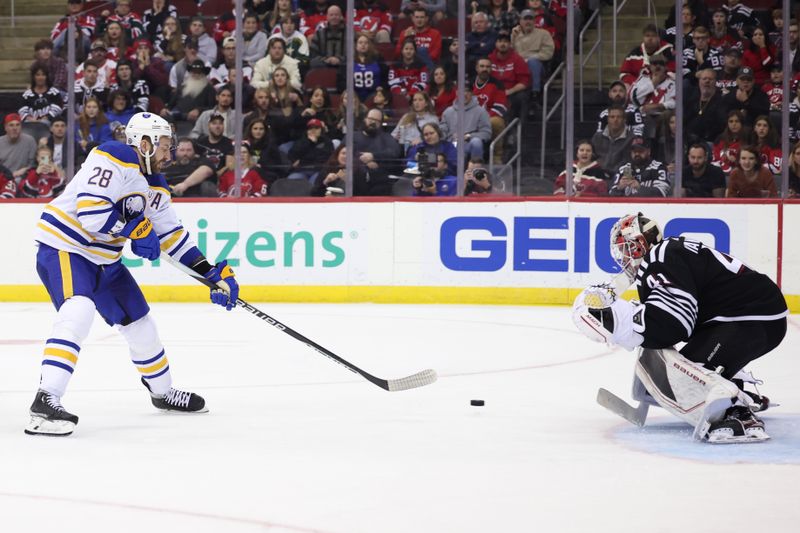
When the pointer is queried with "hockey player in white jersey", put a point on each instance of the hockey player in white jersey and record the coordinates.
(725, 312)
(117, 195)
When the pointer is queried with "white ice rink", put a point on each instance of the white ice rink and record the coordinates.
(296, 443)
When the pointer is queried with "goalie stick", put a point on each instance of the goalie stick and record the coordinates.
(618, 406)
(420, 379)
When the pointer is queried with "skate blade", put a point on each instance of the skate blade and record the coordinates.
(49, 428)
(178, 412)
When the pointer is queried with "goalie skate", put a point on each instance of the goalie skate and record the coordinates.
(48, 417)
(178, 401)
(739, 426)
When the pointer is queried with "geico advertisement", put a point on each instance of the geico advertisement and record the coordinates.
(550, 244)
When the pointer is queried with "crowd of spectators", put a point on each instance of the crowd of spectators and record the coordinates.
(181, 65)
(733, 97)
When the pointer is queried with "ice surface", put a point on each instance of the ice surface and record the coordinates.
(296, 443)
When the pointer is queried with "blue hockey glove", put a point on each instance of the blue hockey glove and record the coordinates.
(228, 292)
(144, 241)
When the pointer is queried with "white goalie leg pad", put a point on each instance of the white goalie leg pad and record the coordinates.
(147, 354)
(694, 394)
(639, 392)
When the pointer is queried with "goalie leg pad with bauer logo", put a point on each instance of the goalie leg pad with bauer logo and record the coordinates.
(694, 394)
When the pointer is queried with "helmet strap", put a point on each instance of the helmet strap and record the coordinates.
(147, 156)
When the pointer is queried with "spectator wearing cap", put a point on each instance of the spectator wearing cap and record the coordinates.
(480, 41)
(41, 102)
(612, 144)
(477, 128)
(85, 23)
(106, 68)
(150, 68)
(276, 57)
(759, 55)
(130, 21)
(618, 96)
(512, 71)
(195, 95)
(178, 71)
(701, 179)
(206, 46)
(731, 63)
(136, 90)
(535, 46)
(638, 58)
(255, 40)
(641, 176)
(215, 146)
(154, 18)
(703, 111)
(310, 152)
(220, 72)
(56, 67)
(17, 149)
(747, 98)
(189, 174)
(89, 86)
(224, 108)
(653, 92)
(327, 46)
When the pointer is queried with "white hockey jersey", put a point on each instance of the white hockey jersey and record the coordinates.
(106, 192)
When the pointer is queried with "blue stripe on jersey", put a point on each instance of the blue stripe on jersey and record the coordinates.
(98, 212)
(163, 371)
(157, 180)
(59, 365)
(65, 343)
(76, 236)
(110, 223)
(153, 360)
(183, 241)
(121, 151)
(106, 198)
(170, 232)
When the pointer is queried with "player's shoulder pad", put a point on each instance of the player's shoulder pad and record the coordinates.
(119, 153)
(157, 181)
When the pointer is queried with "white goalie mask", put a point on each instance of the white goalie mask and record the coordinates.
(151, 127)
(631, 239)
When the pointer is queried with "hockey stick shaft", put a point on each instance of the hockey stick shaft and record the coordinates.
(420, 379)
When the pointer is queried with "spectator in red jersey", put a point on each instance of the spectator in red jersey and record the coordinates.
(56, 67)
(272, 20)
(492, 97)
(115, 40)
(427, 39)
(653, 92)
(150, 68)
(639, 57)
(255, 182)
(225, 25)
(774, 87)
(374, 20)
(511, 70)
(535, 46)
(766, 141)
(759, 55)
(409, 75)
(749, 179)
(131, 22)
(725, 153)
(588, 177)
(441, 90)
(315, 17)
(721, 37)
(8, 185)
(42, 102)
(46, 180)
(747, 98)
(106, 68)
(86, 25)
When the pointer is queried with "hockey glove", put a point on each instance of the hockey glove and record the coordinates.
(603, 318)
(144, 241)
(228, 292)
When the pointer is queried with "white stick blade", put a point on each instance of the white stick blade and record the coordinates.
(618, 406)
(420, 379)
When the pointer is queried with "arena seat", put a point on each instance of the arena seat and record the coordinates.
(324, 77)
(449, 27)
(287, 187)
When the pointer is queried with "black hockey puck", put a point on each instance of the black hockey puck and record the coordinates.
(476, 403)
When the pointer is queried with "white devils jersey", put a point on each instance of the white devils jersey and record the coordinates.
(110, 188)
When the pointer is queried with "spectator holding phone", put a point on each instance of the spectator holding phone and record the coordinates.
(44, 181)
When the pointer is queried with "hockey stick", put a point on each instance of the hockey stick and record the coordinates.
(618, 406)
(420, 379)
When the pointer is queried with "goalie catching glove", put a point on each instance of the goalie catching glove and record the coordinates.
(602, 317)
(228, 289)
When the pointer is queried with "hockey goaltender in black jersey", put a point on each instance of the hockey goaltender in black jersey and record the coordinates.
(725, 312)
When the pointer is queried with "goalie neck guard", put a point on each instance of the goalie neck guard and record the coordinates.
(631, 238)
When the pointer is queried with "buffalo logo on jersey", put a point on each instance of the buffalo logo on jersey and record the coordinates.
(132, 207)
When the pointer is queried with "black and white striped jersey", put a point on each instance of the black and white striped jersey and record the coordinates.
(685, 284)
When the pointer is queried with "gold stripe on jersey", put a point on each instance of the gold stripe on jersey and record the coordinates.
(71, 221)
(166, 245)
(114, 159)
(64, 354)
(92, 203)
(66, 274)
(154, 368)
(41, 225)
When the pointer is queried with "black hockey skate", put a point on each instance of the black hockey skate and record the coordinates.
(177, 400)
(48, 416)
(739, 425)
